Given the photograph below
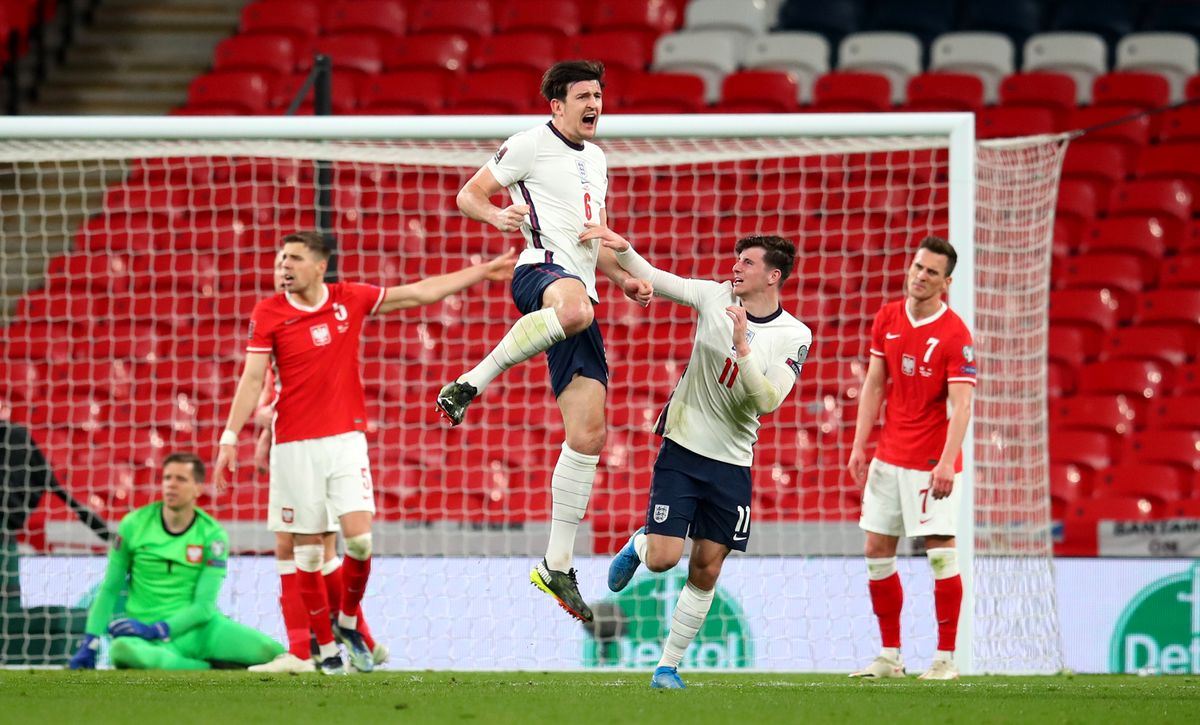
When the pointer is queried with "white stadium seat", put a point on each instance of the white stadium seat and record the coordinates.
(710, 54)
(1176, 56)
(1080, 55)
(805, 55)
(747, 18)
(895, 55)
(990, 56)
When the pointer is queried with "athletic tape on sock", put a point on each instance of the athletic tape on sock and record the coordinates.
(882, 568)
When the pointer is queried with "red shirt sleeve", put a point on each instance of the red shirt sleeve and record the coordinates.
(960, 358)
(262, 329)
(878, 329)
(369, 296)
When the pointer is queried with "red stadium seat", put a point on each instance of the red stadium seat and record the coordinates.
(245, 90)
(1180, 125)
(1192, 89)
(1065, 345)
(851, 92)
(1146, 480)
(1123, 275)
(1189, 509)
(405, 92)
(1137, 236)
(1179, 448)
(663, 93)
(352, 51)
(1131, 88)
(1046, 90)
(1181, 272)
(88, 273)
(498, 91)
(1172, 161)
(1131, 134)
(1111, 414)
(1175, 308)
(759, 91)
(1182, 413)
(263, 53)
(1099, 163)
(617, 50)
(345, 92)
(1088, 449)
(1096, 311)
(1070, 482)
(385, 19)
(648, 20)
(557, 18)
(1004, 121)
(530, 52)
(298, 19)
(1168, 200)
(945, 92)
(1163, 344)
(445, 52)
(1134, 378)
(468, 18)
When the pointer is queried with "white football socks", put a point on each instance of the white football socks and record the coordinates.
(690, 611)
(640, 542)
(533, 333)
(571, 487)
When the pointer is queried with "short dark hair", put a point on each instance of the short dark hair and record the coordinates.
(937, 245)
(779, 253)
(560, 76)
(315, 241)
(185, 457)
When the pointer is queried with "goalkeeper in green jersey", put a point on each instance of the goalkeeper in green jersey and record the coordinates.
(172, 555)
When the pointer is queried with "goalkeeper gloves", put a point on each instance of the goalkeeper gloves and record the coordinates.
(85, 657)
(132, 628)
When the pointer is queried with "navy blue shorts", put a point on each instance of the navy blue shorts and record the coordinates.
(691, 495)
(582, 354)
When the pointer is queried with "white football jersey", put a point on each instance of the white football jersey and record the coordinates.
(564, 184)
(709, 412)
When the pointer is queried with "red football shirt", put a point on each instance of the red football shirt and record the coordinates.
(315, 349)
(922, 359)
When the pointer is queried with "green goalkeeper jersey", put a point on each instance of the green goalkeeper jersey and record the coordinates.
(171, 577)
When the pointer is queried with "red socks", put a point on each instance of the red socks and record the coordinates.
(887, 599)
(295, 616)
(355, 575)
(315, 601)
(333, 589)
(947, 602)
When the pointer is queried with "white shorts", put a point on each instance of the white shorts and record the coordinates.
(316, 481)
(898, 502)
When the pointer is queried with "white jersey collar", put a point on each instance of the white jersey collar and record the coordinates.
(928, 320)
(314, 308)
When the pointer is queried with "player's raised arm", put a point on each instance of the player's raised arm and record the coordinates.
(475, 200)
(433, 289)
(663, 283)
(870, 399)
(245, 400)
(637, 290)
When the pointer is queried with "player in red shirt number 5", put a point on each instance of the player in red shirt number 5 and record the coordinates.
(318, 462)
(921, 357)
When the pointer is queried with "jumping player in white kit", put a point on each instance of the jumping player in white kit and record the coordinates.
(557, 180)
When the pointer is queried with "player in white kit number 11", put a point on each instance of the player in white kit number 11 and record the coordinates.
(745, 360)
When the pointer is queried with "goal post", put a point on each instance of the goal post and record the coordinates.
(174, 220)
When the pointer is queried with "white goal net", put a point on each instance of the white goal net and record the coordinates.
(131, 266)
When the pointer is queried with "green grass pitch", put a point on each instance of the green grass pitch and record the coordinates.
(154, 698)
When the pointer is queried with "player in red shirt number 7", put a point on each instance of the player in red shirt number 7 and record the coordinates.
(318, 461)
(921, 357)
